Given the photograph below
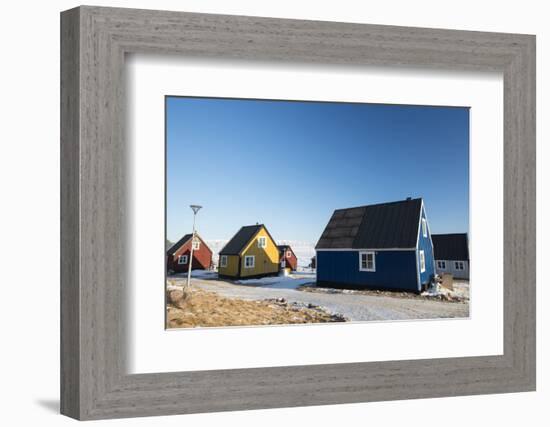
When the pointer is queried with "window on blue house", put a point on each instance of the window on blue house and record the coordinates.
(459, 265)
(442, 265)
(367, 261)
(424, 228)
(422, 261)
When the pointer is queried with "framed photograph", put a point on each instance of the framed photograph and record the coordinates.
(261, 213)
(375, 262)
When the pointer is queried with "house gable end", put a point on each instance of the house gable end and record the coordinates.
(251, 241)
(240, 240)
(424, 245)
(203, 245)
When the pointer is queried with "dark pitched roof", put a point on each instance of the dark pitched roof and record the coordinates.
(452, 247)
(239, 240)
(380, 226)
(173, 249)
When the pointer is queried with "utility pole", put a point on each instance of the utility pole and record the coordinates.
(195, 209)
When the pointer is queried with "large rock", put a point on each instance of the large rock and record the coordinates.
(178, 297)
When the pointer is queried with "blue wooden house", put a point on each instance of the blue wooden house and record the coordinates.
(382, 246)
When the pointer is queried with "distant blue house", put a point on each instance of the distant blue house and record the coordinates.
(382, 246)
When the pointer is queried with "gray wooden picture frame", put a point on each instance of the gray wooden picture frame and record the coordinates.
(94, 382)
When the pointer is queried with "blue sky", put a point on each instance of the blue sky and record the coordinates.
(289, 164)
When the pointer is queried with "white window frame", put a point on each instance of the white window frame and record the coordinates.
(422, 258)
(196, 244)
(288, 254)
(223, 261)
(442, 265)
(459, 263)
(367, 253)
(185, 258)
(253, 258)
(424, 227)
(264, 240)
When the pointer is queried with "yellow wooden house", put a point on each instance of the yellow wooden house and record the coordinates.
(251, 253)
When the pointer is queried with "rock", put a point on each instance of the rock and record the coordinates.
(175, 296)
(178, 297)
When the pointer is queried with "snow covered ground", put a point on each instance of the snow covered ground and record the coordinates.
(355, 307)
(292, 281)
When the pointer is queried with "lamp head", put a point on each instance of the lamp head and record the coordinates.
(195, 208)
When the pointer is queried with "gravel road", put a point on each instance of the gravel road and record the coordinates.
(355, 307)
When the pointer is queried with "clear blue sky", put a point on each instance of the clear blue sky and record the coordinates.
(289, 164)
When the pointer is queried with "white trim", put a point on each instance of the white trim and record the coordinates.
(429, 233)
(418, 284)
(196, 244)
(182, 257)
(264, 239)
(441, 264)
(419, 226)
(364, 249)
(253, 261)
(461, 263)
(418, 281)
(424, 225)
(288, 253)
(223, 261)
(367, 253)
(422, 257)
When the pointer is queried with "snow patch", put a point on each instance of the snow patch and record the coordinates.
(291, 281)
(199, 274)
(204, 274)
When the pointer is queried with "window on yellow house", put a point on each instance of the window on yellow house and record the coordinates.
(262, 242)
(249, 261)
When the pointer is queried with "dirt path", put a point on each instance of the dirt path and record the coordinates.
(353, 306)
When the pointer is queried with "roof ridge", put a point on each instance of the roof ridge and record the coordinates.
(180, 242)
(379, 204)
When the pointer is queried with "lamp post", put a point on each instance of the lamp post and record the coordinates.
(195, 209)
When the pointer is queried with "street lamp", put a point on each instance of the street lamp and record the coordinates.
(195, 209)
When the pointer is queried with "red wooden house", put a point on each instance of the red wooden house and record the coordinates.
(177, 257)
(287, 257)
